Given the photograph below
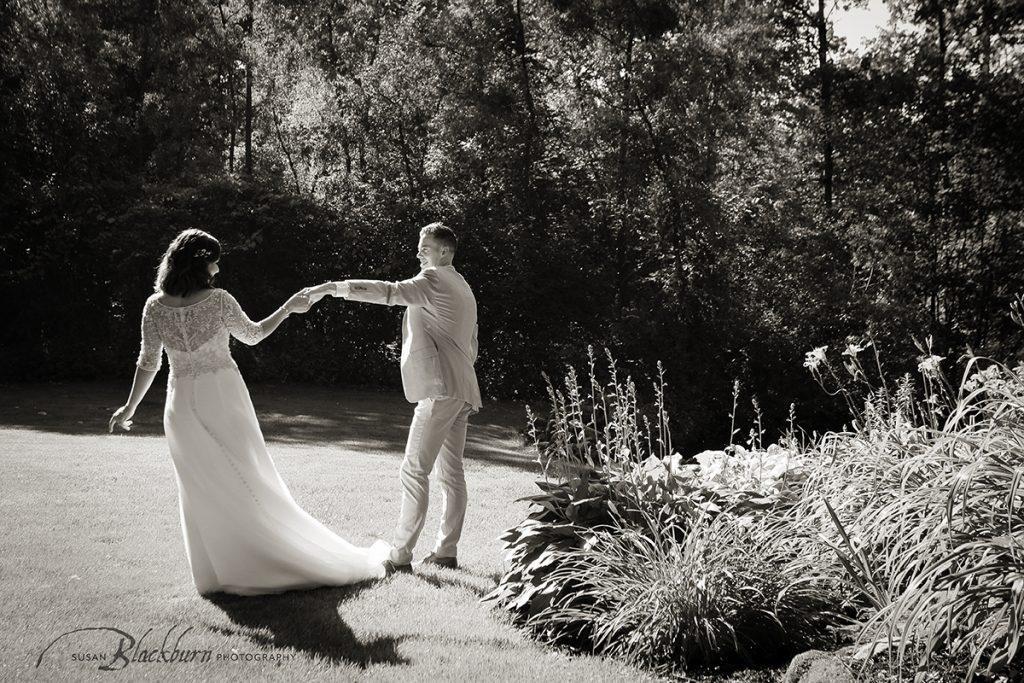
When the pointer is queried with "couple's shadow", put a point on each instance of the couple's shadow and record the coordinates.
(306, 621)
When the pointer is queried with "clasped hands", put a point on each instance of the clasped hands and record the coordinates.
(304, 299)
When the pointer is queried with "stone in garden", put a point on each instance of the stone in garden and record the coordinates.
(816, 666)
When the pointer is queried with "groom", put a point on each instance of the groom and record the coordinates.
(439, 348)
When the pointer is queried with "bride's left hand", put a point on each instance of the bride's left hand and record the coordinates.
(122, 417)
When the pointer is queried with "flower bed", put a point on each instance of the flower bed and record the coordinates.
(904, 535)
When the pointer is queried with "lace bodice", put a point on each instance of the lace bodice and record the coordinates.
(195, 336)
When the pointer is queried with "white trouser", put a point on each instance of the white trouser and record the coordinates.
(437, 433)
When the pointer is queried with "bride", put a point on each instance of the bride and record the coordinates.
(244, 533)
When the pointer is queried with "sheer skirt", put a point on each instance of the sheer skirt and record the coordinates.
(243, 531)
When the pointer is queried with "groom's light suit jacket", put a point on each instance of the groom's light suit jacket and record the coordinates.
(439, 332)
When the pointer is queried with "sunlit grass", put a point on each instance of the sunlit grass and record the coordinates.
(92, 538)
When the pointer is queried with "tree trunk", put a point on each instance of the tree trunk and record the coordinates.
(248, 98)
(406, 152)
(232, 143)
(345, 146)
(534, 193)
(248, 119)
(825, 75)
(149, 57)
(233, 124)
(518, 39)
(986, 40)
(271, 100)
(944, 185)
(674, 231)
(622, 239)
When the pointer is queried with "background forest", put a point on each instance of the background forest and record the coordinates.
(719, 185)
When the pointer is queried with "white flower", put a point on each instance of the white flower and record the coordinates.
(713, 467)
(745, 521)
(673, 463)
(854, 348)
(815, 357)
(929, 365)
(776, 468)
(653, 469)
(711, 459)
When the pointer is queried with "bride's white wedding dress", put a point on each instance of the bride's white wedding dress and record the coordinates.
(244, 533)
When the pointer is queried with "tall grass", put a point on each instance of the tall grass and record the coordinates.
(925, 519)
(601, 425)
(719, 596)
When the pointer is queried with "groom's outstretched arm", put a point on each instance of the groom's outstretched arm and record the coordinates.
(415, 291)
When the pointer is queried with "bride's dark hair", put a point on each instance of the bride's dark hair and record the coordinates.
(184, 267)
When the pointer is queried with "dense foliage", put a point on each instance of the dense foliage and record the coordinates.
(630, 552)
(902, 536)
(716, 184)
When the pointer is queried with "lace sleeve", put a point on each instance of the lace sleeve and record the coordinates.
(151, 354)
(238, 323)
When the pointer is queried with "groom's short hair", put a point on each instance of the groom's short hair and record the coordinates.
(442, 233)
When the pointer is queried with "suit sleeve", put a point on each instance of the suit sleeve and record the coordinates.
(417, 291)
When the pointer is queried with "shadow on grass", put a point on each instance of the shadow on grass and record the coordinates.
(360, 421)
(306, 621)
(451, 579)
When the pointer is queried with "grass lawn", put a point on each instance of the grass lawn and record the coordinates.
(92, 539)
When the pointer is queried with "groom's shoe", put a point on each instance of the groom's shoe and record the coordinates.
(446, 562)
(392, 568)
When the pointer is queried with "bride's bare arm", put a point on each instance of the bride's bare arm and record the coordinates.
(249, 332)
(148, 364)
(297, 303)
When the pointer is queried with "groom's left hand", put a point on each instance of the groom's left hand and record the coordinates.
(319, 292)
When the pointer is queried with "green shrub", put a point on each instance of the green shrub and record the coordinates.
(722, 594)
(631, 553)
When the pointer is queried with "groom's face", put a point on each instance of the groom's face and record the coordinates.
(428, 252)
